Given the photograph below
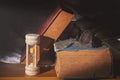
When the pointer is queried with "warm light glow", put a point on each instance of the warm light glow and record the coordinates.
(31, 65)
(32, 50)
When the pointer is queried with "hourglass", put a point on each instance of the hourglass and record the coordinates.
(32, 51)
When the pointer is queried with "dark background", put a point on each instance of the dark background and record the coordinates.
(20, 17)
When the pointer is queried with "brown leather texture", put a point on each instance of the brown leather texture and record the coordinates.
(84, 63)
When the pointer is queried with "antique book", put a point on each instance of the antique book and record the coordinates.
(85, 63)
(51, 30)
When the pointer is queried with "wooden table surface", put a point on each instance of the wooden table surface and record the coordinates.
(16, 72)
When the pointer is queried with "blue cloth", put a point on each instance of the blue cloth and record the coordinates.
(78, 48)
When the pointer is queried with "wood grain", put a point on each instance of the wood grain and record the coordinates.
(29, 78)
(17, 70)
